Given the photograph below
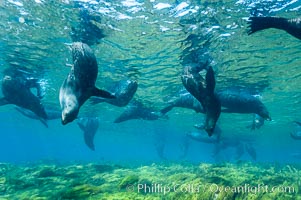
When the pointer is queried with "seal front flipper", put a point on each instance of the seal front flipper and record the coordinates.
(43, 121)
(3, 101)
(102, 93)
(89, 140)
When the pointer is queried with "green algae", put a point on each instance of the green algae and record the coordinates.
(155, 181)
(80, 192)
(47, 172)
(128, 181)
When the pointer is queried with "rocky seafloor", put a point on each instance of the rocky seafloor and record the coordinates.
(155, 181)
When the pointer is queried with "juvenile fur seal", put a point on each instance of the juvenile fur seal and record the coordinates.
(236, 101)
(296, 134)
(291, 26)
(203, 91)
(136, 110)
(123, 90)
(16, 90)
(184, 100)
(52, 113)
(89, 126)
(80, 83)
(240, 142)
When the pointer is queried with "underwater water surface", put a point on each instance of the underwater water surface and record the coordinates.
(150, 42)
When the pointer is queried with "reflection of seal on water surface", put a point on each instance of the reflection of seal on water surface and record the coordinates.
(292, 26)
(80, 83)
(16, 91)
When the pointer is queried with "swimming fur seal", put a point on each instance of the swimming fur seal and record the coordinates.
(236, 101)
(80, 83)
(184, 100)
(291, 26)
(296, 134)
(52, 113)
(89, 126)
(16, 90)
(136, 110)
(240, 142)
(203, 91)
(123, 90)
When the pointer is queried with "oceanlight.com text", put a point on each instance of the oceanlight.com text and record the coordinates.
(212, 188)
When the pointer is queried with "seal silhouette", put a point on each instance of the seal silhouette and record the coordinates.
(80, 82)
(291, 26)
(16, 90)
(203, 90)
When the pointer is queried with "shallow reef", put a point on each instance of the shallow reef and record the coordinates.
(156, 181)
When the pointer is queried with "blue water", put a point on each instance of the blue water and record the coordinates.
(145, 41)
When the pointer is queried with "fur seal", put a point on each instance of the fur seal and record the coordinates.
(123, 90)
(136, 110)
(16, 90)
(203, 91)
(51, 112)
(291, 26)
(89, 126)
(240, 142)
(80, 83)
(236, 101)
(184, 100)
(296, 134)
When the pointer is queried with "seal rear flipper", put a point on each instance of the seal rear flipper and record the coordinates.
(44, 122)
(3, 101)
(102, 93)
(261, 23)
(89, 139)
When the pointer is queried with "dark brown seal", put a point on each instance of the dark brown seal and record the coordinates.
(80, 83)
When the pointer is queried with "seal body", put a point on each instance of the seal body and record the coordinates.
(185, 100)
(123, 90)
(136, 110)
(235, 101)
(16, 90)
(291, 26)
(80, 83)
(203, 90)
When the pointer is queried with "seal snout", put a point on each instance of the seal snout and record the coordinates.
(64, 122)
